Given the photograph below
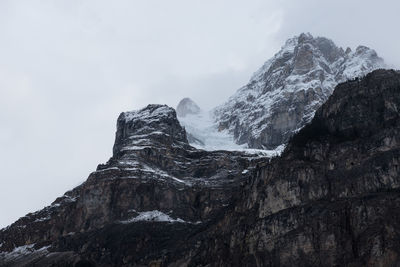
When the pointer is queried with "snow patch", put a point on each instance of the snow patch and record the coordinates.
(202, 127)
(20, 252)
(153, 216)
(148, 113)
(42, 219)
(108, 169)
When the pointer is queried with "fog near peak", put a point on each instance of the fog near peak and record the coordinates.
(68, 68)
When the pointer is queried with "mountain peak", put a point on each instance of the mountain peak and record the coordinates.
(304, 37)
(164, 204)
(282, 96)
(151, 125)
(187, 106)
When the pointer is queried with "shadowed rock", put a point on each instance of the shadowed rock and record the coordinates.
(331, 199)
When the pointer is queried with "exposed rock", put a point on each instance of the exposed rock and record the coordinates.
(331, 199)
(284, 93)
(187, 107)
(153, 175)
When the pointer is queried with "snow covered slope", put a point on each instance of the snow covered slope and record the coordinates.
(284, 93)
(203, 133)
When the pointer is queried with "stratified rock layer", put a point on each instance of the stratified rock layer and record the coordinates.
(331, 199)
(153, 175)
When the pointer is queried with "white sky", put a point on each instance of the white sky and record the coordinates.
(69, 67)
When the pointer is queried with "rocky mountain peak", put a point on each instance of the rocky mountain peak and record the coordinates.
(282, 96)
(150, 125)
(331, 199)
(304, 37)
(187, 107)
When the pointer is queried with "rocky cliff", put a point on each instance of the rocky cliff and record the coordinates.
(284, 93)
(331, 199)
(149, 197)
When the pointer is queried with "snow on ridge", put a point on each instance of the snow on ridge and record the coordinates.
(290, 77)
(149, 113)
(43, 219)
(153, 216)
(22, 251)
(142, 170)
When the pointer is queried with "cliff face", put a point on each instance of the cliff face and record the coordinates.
(154, 192)
(284, 93)
(331, 199)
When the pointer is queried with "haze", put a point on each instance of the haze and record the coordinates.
(68, 68)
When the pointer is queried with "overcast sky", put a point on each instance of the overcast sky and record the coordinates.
(68, 68)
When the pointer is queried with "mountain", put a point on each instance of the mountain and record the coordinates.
(331, 199)
(154, 178)
(284, 93)
(187, 107)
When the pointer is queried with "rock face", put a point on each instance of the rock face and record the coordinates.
(155, 186)
(187, 107)
(331, 199)
(284, 93)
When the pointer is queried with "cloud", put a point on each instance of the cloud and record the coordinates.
(69, 67)
(347, 23)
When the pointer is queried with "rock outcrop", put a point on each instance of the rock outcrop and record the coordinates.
(284, 93)
(187, 107)
(155, 186)
(331, 199)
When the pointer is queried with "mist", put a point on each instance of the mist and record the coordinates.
(68, 68)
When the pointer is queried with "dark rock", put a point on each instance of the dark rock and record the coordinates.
(331, 199)
(153, 169)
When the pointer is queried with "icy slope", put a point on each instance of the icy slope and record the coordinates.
(202, 133)
(283, 95)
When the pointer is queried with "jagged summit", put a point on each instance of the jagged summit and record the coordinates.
(187, 107)
(282, 96)
(331, 199)
(147, 127)
(153, 178)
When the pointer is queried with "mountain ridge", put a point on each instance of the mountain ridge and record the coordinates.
(282, 96)
(331, 198)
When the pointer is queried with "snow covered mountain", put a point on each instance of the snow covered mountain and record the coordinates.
(202, 131)
(331, 199)
(283, 95)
